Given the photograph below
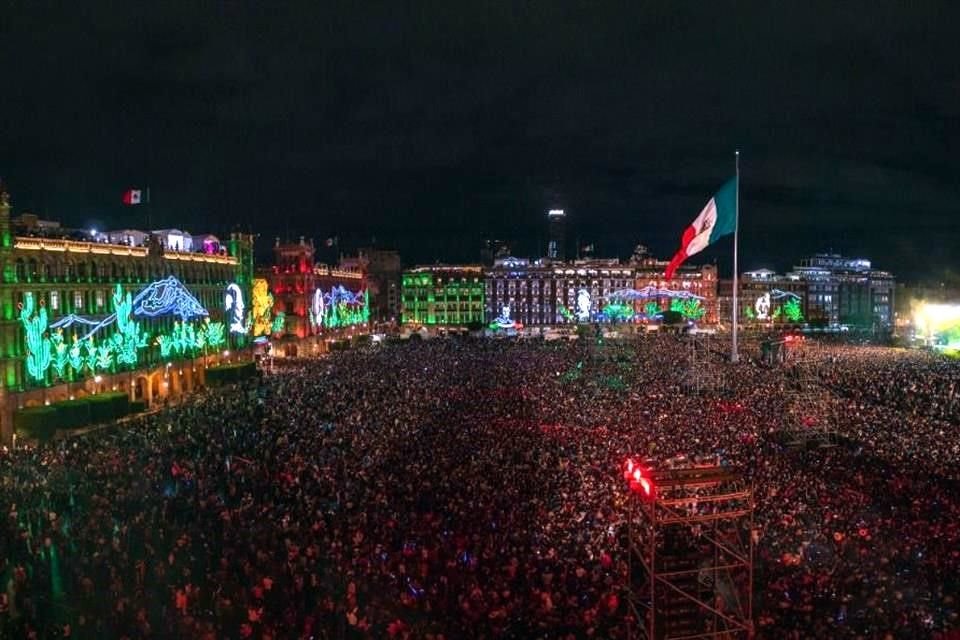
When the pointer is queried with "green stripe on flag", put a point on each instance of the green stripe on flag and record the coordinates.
(726, 200)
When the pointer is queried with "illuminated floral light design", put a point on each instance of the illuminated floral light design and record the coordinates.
(689, 308)
(61, 354)
(128, 339)
(345, 308)
(187, 338)
(618, 312)
(279, 322)
(262, 307)
(38, 348)
(75, 356)
(70, 358)
(215, 334)
(775, 305)
(651, 309)
(90, 354)
(791, 309)
(160, 298)
(566, 313)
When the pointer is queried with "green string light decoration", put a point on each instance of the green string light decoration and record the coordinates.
(38, 348)
(791, 309)
(61, 354)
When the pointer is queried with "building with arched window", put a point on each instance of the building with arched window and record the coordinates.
(83, 314)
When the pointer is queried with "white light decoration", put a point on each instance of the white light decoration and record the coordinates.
(318, 308)
(762, 306)
(583, 305)
(233, 303)
(504, 321)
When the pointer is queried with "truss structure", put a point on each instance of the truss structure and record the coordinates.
(691, 542)
(702, 375)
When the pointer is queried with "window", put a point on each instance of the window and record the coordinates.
(54, 300)
(78, 300)
(99, 299)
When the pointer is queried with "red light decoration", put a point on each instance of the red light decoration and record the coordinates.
(637, 481)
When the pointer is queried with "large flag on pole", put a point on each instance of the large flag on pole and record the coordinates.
(133, 196)
(717, 219)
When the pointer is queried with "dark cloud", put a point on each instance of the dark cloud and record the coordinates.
(454, 120)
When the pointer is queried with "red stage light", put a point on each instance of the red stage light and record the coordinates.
(638, 484)
(647, 487)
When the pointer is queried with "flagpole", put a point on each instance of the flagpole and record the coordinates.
(734, 355)
(149, 208)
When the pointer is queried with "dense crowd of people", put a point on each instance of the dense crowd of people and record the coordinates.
(459, 488)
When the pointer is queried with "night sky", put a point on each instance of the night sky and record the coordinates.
(429, 126)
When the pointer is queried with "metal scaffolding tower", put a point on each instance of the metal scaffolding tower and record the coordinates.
(691, 540)
(702, 374)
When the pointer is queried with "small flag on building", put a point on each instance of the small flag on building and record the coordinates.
(717, 219)
(133, 196)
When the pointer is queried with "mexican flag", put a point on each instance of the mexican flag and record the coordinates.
(717, 219)
(133, 196)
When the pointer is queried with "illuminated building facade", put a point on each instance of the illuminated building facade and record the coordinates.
(767, 297)
(583, 289)
(847, 291)
(521, 292)
(699, 282)
(80, 316)
(592, 291)
(382, 270)
(443, 295)
(313, 300)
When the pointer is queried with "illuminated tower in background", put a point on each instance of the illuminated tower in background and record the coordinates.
(556, 233)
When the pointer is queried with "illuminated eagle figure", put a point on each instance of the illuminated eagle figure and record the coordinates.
(167, 297)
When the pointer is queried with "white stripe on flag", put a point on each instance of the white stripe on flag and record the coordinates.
(704, 225)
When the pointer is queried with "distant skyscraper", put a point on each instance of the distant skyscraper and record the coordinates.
(556, 233)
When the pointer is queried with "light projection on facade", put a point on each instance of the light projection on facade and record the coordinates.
(262, 307)
(503, 321)
(318, 309)
(167, 297)
(118, 341)
(235, 308)
(689, 305)
(775, 305)
(38, 348)
(617, 312)
(691, 309)
(583, 305)
(339, 307)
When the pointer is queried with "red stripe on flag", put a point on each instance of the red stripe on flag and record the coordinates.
(688, 235)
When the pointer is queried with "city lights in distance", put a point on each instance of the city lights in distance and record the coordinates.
(555, 213)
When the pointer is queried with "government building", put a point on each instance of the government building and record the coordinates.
(135, 313)
(312, 304)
